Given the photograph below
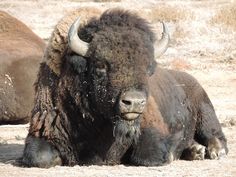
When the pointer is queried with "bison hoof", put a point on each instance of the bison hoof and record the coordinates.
(39, 153)
(198, 152)
(215, 149)
(214, 154)
(195, 152)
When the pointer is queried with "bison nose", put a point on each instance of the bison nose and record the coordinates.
(132, 104)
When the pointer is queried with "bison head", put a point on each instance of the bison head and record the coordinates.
(120, 59)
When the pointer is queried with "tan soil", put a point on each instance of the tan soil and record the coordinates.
(205, 49)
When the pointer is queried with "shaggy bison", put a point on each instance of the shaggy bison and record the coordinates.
(101, 99)
(20, 53)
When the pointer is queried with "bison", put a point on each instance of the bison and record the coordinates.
(20, 53)
(101, 99)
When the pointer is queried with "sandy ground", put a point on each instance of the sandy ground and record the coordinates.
(12, 140)
(204, 49)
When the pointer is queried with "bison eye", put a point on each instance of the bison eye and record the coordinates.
(101, 71)
(101, 67)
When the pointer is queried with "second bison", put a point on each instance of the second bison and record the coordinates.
(101, 99)
(21, 51)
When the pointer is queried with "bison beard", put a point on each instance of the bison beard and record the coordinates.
(112, 104)
(126, 131)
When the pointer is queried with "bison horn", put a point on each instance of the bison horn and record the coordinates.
(162, 44)
(75, 43)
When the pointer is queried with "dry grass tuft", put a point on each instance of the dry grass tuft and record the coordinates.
(6, 6)
(169, 13)
(226, 15)
(180, 33)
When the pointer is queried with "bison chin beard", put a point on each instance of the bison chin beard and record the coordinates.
(126, 132)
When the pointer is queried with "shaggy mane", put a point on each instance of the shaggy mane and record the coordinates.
(92, 21)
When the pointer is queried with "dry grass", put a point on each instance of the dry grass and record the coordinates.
(179, 33)
(169, 13)
(226, 15)
(6, 6)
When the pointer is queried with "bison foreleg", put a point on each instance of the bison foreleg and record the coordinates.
(40, 153)
(194, 152)
(151, 149)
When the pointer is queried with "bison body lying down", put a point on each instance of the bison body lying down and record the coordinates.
(100, 99)
(20, 54)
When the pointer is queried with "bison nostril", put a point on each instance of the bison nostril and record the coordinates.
(126, 102)
(132, 104)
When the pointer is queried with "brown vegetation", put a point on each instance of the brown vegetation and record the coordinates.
(226, 15)
(169, 13)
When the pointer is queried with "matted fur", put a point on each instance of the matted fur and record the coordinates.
(58, 42)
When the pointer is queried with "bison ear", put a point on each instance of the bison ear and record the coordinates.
(78, 63)
(151, 68)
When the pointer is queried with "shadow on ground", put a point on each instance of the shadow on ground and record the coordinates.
(10, 153)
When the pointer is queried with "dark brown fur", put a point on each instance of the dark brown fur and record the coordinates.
(20, 53)
(75, 109)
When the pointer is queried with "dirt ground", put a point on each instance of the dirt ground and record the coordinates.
(203, 43)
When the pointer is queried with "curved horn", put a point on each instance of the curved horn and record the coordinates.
(162, 44)
(75, 43)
